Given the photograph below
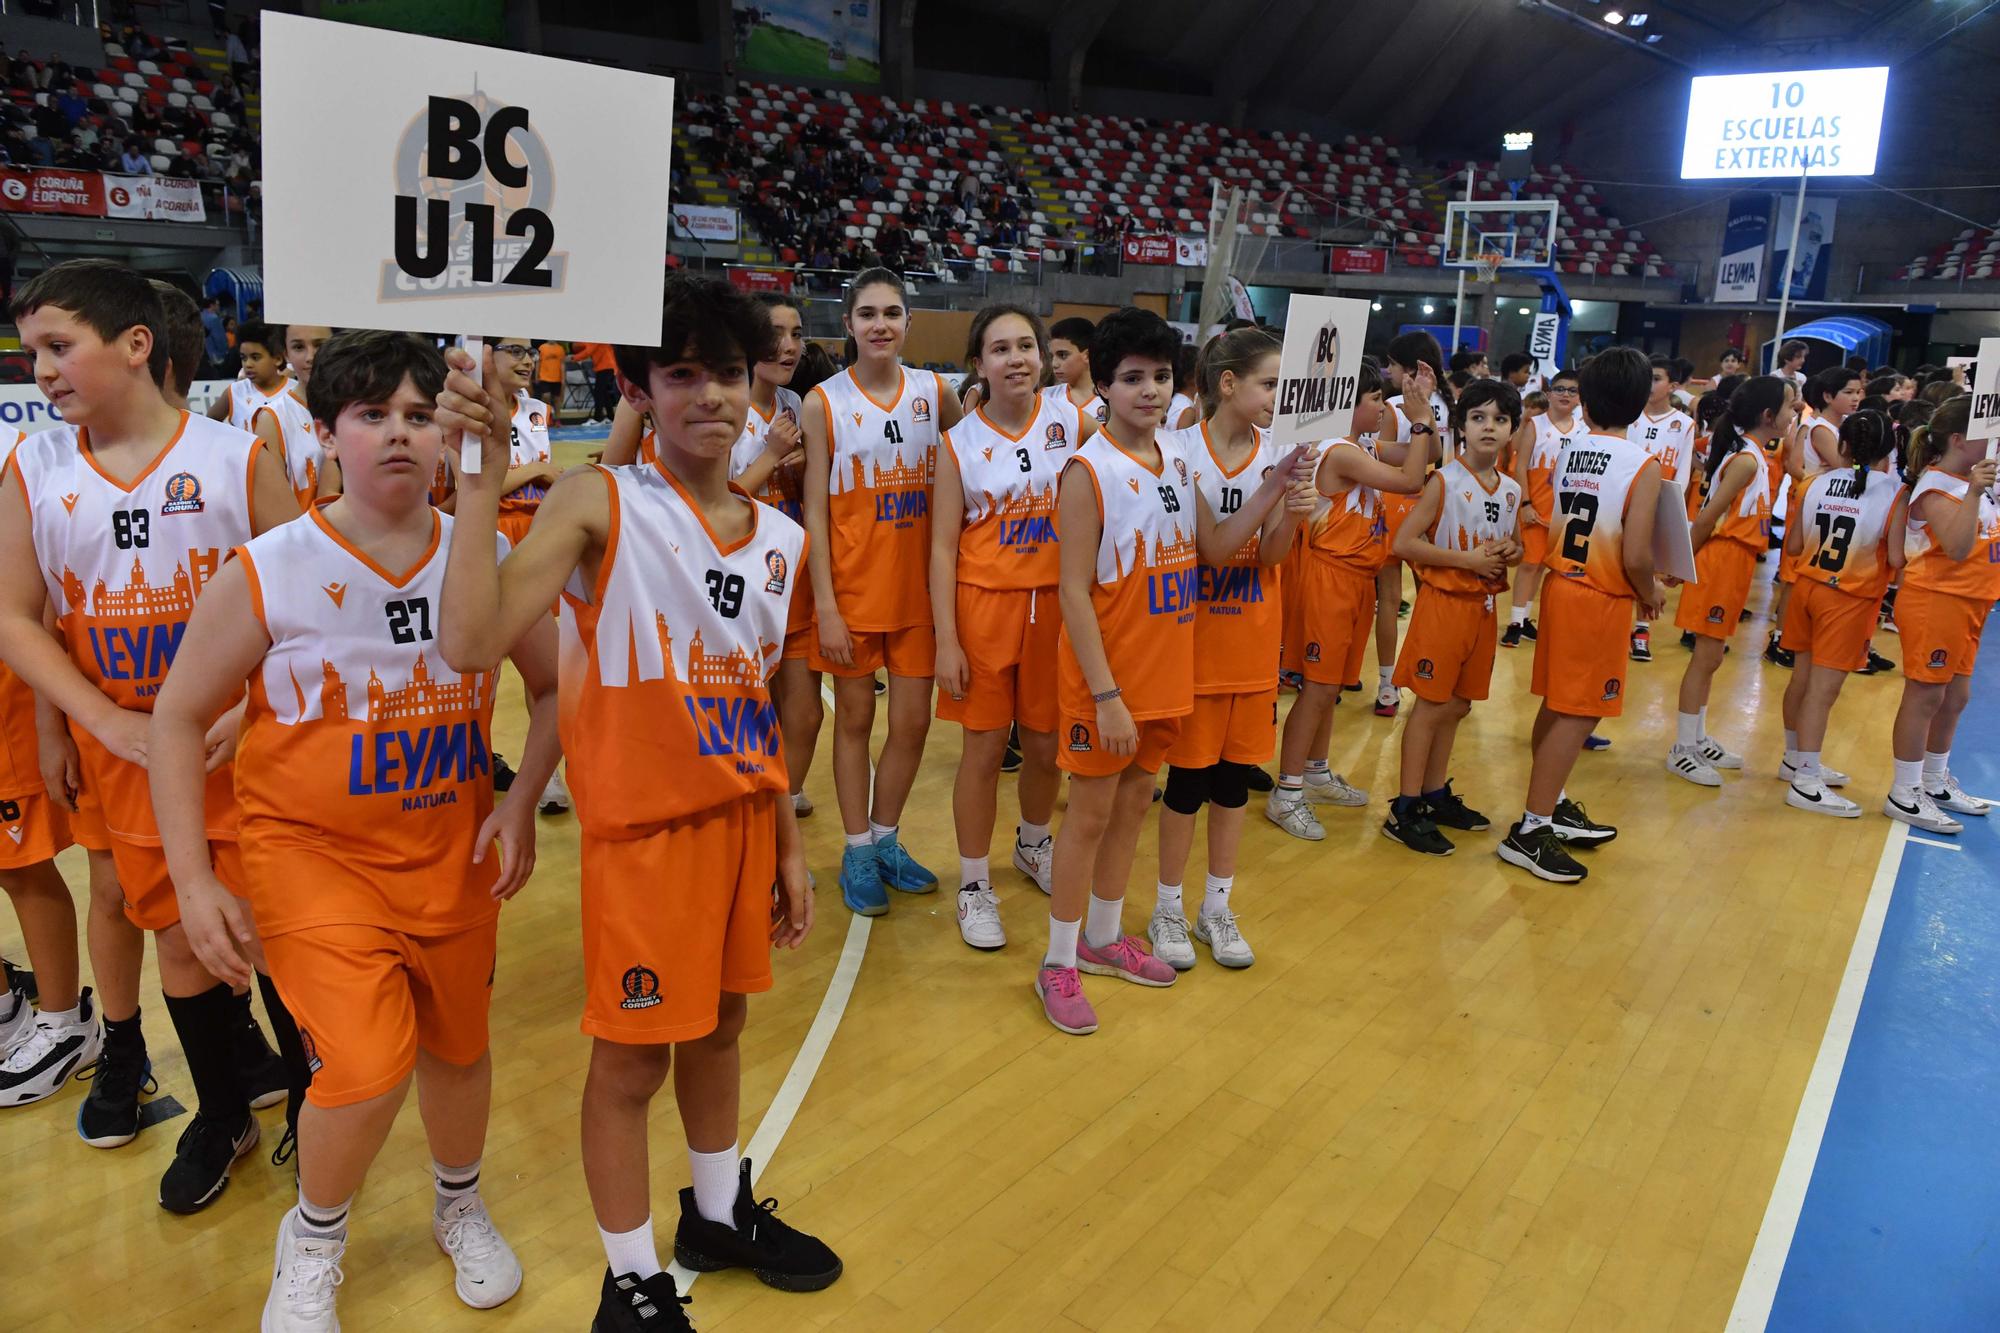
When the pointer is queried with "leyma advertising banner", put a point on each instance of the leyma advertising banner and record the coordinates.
(1739, 276)
(811, 39)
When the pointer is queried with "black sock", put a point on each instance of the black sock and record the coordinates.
(1404, 807)
(206, 1025)
(124, 1030)
(286, 1030)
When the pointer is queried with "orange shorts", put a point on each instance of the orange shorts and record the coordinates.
(36, 829)
(1580, 655)
(149, 891)
(906, 652)
(1242, 728)
(1713, 604)
(1788, 567)
(1832, 626)
(1448, 648)
(1534, 544)
(1940, 632)
(1009, 640)
(1395, 508)
(514, 524)
(1082, 751)
(366, 997)
(673, 919)
(86, 824)
(802, 623)
(1292, 602)
(1339, 615)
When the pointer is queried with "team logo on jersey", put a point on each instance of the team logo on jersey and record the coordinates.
(1079, 737)
(1613, 687)
(1180, 470)
(311, 1049)
(1425, 669)
(69, 502)
(336, 591)
(642, 988)
(774, 565)
(857, 418)
(534, 421)
(1940, 657)
(183, 494)
(1102, 409)
(920, 409)
(1057, 436)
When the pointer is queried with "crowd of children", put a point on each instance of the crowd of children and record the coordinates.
(1090, 548)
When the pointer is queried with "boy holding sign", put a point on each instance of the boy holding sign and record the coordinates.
(678, 588)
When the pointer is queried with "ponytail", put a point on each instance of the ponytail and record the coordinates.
(1409, 350)
(1755, 398)
(1929, 441)
(1866, 437)
(1237, 350)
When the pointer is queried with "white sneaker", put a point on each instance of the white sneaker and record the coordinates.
(1915, 807)
(14, 1027)
(1950, 796)
(303, 1280)
(1717, 754)
(802, 804)
(1294, 817)
(1333, 789)
(1685, 761)
(1807, 792)
(1037, 862)
(555, 796)
(1168, 934)
(1832, 777)
(488, 1272)
(1387, 700)
(1218, 931)
(979, 917)
(44, 1056)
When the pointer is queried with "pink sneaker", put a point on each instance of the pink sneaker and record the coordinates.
(1062, 1000)
(1124, 957)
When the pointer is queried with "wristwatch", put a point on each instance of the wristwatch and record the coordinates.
(1420, 429)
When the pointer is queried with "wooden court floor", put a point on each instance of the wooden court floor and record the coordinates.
(1448, 1096)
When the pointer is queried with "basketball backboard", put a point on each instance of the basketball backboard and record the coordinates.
(1521, 232)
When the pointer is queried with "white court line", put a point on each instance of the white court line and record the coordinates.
(798, 1079)
(1788, 1195)
(1933, 842)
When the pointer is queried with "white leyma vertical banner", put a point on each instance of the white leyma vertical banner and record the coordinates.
(1985, 424)
(1319, 369)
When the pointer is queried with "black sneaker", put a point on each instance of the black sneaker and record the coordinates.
(1573, 825)
(629, 1304)
(1876, 664)
(1541, 854)
(1452, 812)
(264, 1076)
(780, 1256)
(1687, 638)
(1596, 742)
(503, 776)
(881, 686)
(1511, 636)
(20, 980)
(1258, 780)
(1010, 762)
(109, 1116)
(1418, 833)
(1351, 689)
(1777, 656)
(1642, 646)
(1402, 610)
(1528, 630)
(209, 1146)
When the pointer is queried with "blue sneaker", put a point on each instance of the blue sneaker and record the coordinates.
(861, 882)
(900, 870)
(1596, 742)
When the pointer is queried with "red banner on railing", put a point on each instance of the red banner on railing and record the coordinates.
(1357, 259)
(79, 193)
(762, 279)
(1149, 249)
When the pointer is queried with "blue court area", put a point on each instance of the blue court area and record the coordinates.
(1902, 1216)
(587, 432)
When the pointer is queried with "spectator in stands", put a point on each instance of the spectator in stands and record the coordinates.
(214, 341)
(134, 161)
(72, 107)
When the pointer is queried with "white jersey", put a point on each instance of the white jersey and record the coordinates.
(1846, 530)
(1469, 516)
(1225, 492)
(1669, 438)
(1094, 408)
(9, 437)
(1176, 409)
(1811, 459)
(1009, 482)
(302, 454)
(1439, 409)
(527, 445)
(756, 426)
(246, 400)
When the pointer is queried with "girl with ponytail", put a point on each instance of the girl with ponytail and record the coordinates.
(1732, 530)
(1847, 542)
(1950, 585)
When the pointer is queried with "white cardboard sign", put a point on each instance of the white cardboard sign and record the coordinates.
(1319, 369)
(1673, 540)
(418, 184)
(1985, 424)
(1818, 122)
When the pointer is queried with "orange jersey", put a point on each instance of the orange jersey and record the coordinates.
(1978, 575)
(527, 444)
(1238, 622)
(1550, 440)
(1847, 532)
(1470, 515)
(879, 498)
(1593, 489)
(1009, 483)
(302, 454)
(20, 754)
(1146, 586)
(785, 487)
(124, 565)
(1749, 518)
(357, 736)
(1669, 438)
(1349, 528)
(666, 708)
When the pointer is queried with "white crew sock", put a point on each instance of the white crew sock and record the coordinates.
(1530, 821)
(632, 1251)
(1062, 943)
(1520, 613)
(858, 839)
(1216, 900)
(1167, 899)
(1104, 923)
(1384, 673)
(1937, 763)
(974, 870)
(881, 832)
(328, 1223)
(1032, 835)
(454, 1182)
(1687, 730)
(715, 1182)
(1910, 773)
(1808, 766)
(1317, 771)
(61, 1017)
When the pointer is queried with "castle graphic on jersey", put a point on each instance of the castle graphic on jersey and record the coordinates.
(423, 698)
(138, 599)
(736, 667)
(1020, 503)
(1177, 554)
(900, 475)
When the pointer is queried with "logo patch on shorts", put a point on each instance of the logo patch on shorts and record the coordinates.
(311, 1049)
(1312, 651)
(1079, 737)
(642, 988)
(1715, 615)
(1940, 657)
(1613, 687)
(1425, 671)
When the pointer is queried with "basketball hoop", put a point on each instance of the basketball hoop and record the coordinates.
(1487, 268)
